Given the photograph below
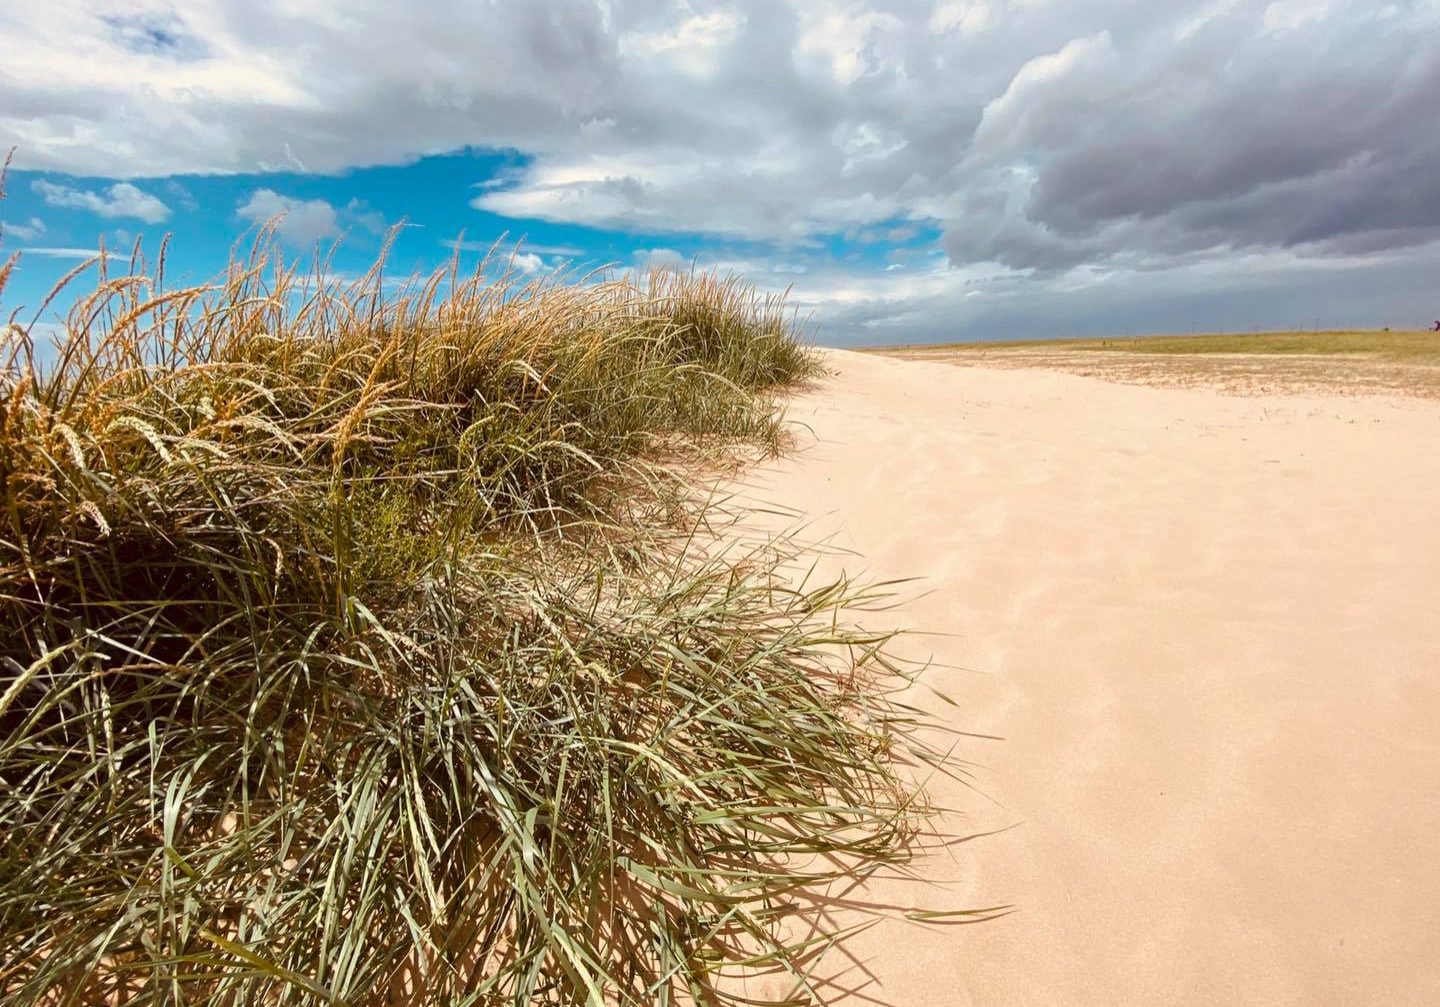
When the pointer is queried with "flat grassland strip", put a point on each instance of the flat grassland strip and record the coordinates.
(1345, 362)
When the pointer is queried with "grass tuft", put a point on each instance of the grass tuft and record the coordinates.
(355, 647)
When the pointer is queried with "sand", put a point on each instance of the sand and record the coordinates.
(1207, 628)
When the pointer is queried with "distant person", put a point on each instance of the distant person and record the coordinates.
(1437, 326)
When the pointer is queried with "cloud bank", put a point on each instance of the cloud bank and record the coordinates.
(1040, 137)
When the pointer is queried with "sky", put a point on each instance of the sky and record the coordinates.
(911, 170)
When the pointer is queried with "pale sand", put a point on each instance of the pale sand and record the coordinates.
(1208, 629)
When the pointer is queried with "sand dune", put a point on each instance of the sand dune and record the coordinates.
(1208, 629)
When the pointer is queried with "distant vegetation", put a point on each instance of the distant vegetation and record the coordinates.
(360, 645)
(1264, 363)
(1398, 347)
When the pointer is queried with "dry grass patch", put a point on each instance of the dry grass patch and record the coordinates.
(354, 649)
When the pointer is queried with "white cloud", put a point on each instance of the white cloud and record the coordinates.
(851, 43)
(298, 221)
(306, 221)
(689, 47)
(24, 232)
(119, 200)
(64, 253)
(660, 258)
(666, 191)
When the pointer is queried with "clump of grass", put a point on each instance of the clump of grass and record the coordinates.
(354, 648)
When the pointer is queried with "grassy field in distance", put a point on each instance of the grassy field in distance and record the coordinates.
(1409, 345)
(1344, 361)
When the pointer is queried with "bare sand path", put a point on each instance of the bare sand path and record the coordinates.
(1208, 629)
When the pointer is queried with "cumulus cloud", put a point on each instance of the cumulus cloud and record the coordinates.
(24, 232)
(306, 221)
(660, 258)
(298, 221)
(119, 200)
(1127, 137)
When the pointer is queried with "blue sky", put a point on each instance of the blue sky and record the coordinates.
(430, 205)
(352, 210)
(912, 170)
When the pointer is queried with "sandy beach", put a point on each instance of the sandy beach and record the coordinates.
(1205, 627)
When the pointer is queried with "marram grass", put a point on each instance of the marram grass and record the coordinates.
(353, 650)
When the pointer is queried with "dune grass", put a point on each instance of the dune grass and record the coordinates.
(358, 645)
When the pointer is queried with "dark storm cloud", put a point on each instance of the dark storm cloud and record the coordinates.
(1245, 142)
